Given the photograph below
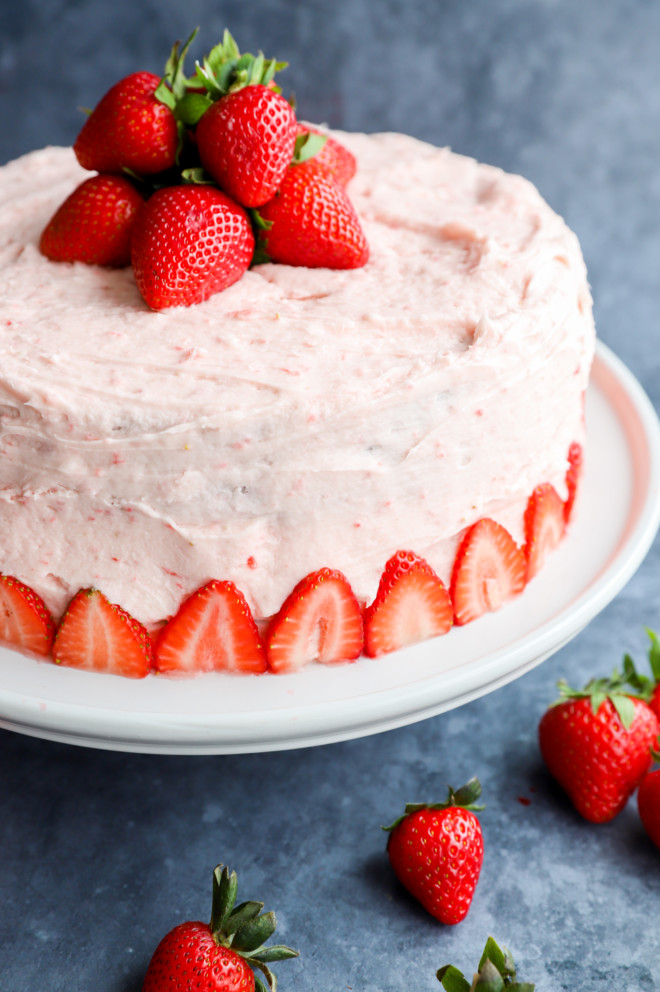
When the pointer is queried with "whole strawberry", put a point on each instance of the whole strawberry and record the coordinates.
(130, 128)
(648, 802)
(189, 242)
(437, 851)
(311, 221)
(94, 224)
(246, 142)
(595, 742)
(219, 956)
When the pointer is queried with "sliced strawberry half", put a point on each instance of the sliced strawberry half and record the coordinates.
(411, 605)
(544, 526)
(573, 476)
(214, 630)
(489, 569)
(99, 636)
(25, 623)
(320, 621)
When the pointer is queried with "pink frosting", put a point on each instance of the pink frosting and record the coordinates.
(300, 419)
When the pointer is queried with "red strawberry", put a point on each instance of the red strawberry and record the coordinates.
(245, 141)
(129, 129)
(338, 162)
(544, 526)
(489, 569)
(573, 476)
(311, 221)
(648, 802)
(595, 742)
(437, 850)
(213, 630)
(319, 621)
(189, 242)
(218, 956)
(99, 636)
(411, 605)
(25, 623)
(94, 224)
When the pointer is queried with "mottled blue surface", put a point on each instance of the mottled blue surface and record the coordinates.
(102, 852)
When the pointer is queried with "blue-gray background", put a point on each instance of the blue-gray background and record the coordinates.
(101, 853)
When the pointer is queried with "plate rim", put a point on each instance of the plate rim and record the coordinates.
(175, 733)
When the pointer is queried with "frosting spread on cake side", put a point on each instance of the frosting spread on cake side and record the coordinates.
(301, 418)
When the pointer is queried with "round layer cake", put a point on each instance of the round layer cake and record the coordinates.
(303, 418)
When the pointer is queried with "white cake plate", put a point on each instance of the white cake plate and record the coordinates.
(617, 517)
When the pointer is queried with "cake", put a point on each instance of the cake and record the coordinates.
(300, 419)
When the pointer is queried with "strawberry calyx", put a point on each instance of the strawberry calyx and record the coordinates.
(642, 684)
(245, 929)
(497, 971)
(465, 798)
(224, 70)
(617, 688)
(308, 145)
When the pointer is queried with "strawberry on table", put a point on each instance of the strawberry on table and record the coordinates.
(437, 850)
(595, 742)
(544, 526)
(311, 221)
(25, 623)
(411, 605)
(214, 630)
(319, 621)
(648, 801)
(94, 224)
(97, 635)
(219, 956)
(189, 242)
(496, 972)
(131, 128)
(488, 570)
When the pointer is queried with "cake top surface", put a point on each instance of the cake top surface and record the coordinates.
(457, 249)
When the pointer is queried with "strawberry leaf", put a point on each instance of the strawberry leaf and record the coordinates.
(489, 979)
(625, 707)
(276, 952)
(500, 957)
(254, 933)
(452, 980)
(191, 107)
(307, 146)
(654, 654)
(241, 914)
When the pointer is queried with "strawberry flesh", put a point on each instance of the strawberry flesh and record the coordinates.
(319, 621)
(411, 605)
(25, 623)
(544, 526)
(489, 569)
(573, 476)
(99, 636)
(214, 630)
